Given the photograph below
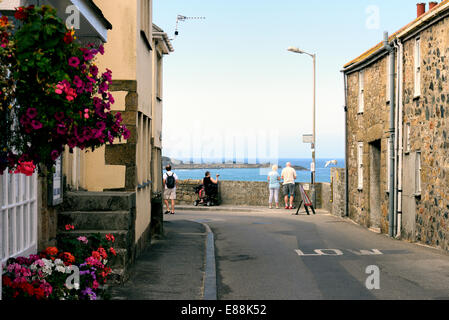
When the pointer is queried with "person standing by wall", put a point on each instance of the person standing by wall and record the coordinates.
(274, 186)
(170, 181)
(288, 175)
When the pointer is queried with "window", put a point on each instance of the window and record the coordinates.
(388, 164)
(417, 67)
(407, 138)
(388, 87)
(159, 76)
(360, 165)
(418, 174)
(361, 91)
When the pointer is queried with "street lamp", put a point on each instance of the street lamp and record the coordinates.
(296, 50)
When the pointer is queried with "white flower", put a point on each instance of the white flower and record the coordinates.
(60, 269)
(59, 262)
(76, 286)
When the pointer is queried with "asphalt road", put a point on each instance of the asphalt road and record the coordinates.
(273, 255)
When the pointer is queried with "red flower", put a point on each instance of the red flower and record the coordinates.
(27, 168)
(69, 227)
(110, 237)
(68, 38)
(3, 21)
(68, 258)
(112, 250)
(6, 281)
(51, 251)
(96, 255)
(20, 14)
(102, 253)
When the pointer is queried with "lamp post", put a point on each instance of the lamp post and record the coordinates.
(296, 50)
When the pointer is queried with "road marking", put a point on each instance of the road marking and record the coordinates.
(321, 252)
(338, 252)
(372, 252)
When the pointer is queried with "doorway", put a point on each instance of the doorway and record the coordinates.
(374, 183)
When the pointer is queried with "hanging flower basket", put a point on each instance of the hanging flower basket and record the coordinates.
(54, 95)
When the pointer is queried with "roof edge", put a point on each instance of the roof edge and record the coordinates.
(407, 29)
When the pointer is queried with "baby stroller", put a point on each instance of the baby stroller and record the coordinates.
(207, 196)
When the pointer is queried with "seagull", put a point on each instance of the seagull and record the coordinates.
(334, 162)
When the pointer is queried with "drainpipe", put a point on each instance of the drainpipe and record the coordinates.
(346, 146)
(391, 214)
(400, 139)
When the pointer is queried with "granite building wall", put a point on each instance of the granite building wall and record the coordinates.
(369, 127)
(427, 115)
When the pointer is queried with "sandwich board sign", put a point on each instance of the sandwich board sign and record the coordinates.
(305, 200)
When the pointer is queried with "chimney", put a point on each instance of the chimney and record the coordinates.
(421, 9)
(432, 5)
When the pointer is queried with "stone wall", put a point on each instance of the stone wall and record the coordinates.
(370, 127)
(338, 192)
(248, 193)
(429, 130)
(425, 213)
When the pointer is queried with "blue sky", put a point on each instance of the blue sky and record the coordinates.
(231, 74)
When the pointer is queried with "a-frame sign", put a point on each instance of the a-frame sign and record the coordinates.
(305, 200)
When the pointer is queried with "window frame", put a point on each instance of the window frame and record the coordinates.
(417, 68)
(360, 166)
(418, 171)
(407, 138)
(361, 106)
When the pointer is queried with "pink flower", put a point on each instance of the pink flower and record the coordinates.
(77, 82)
(59, 116)
(61, 129)
(107, 75)
(94, 71)
(101, 49)
(54, 155)
(103, 87)
(126, 133)
(72, 143)
(111, 98)
(31, 113)
(87, 54)
(36, 125)
(59, 88)
(74, 62)
(82, 239)
(71, 94)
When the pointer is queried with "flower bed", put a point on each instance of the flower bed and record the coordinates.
(53, 94)
(77, 270)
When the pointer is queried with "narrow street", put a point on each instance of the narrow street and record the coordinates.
(273, 255)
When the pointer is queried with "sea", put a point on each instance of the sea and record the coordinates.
(260, 174)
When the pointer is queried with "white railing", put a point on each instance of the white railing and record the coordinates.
(18, 216)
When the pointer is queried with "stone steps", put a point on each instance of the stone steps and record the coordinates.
(103, 213)
(99, 201)
(98, 220)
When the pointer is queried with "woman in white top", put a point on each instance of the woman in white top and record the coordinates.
(274, 186)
